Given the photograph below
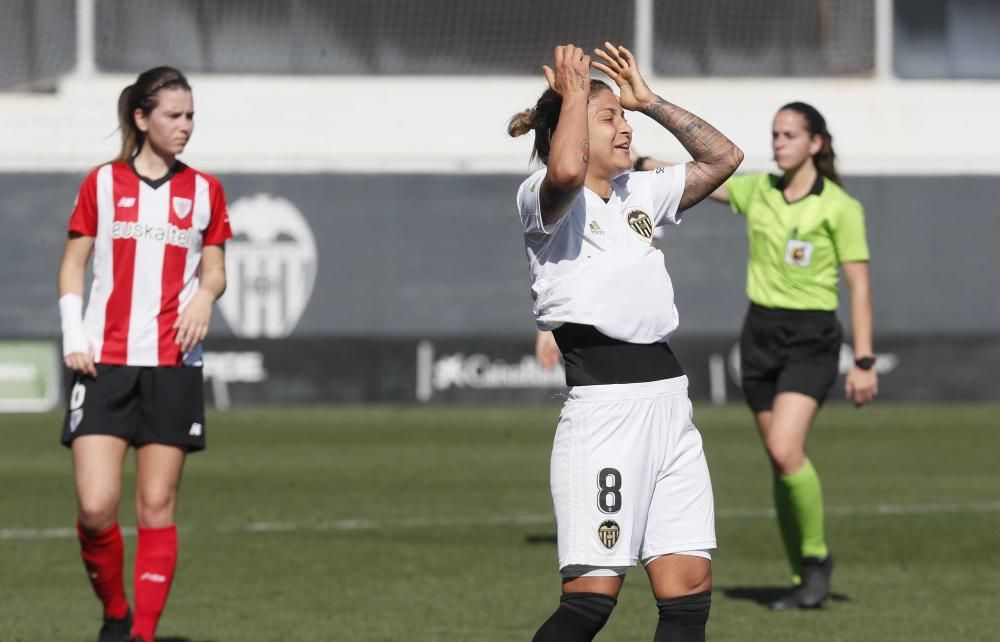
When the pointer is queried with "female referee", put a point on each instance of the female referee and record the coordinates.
(801, 226)
(157, 229)
(629, 479)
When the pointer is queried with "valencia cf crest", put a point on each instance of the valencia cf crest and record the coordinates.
(182, 207)
(640, 223)
(608, 533)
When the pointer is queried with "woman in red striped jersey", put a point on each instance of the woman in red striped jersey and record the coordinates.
(156, 229)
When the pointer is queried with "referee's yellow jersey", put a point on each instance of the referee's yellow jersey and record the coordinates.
(797, 248)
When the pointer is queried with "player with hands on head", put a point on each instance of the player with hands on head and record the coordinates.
(802, 226)
(156, 230)
(628, 474)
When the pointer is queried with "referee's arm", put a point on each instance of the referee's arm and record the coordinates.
(861, 386)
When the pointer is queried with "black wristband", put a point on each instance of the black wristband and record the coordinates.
(639, 162)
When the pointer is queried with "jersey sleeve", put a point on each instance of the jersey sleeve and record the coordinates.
(83, 220)
(741, 189)
(218, 230)
(849, 235)
(530, 209)
(666, 186)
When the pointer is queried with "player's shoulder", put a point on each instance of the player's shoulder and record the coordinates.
(95, 171)
(664, 177)
(211, 179)
(835, 193)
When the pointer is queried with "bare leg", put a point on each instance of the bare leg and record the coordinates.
(682, 585)
(97, 472)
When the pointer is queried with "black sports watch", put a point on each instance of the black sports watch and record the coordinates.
(865, 363)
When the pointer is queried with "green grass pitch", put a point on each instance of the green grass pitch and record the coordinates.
(433, 523)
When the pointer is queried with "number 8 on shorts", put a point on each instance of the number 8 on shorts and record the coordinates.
(609, 497)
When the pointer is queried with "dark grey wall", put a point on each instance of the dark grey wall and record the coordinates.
(439, 255)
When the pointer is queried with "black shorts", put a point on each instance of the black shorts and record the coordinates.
(788, 351)
(142, 405)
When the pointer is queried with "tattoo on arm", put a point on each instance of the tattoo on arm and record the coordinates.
(585, 149)
(715, 156)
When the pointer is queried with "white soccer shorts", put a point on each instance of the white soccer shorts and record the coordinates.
(628, 476)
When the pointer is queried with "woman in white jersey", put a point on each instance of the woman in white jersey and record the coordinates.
(629, 479)
(156, 229)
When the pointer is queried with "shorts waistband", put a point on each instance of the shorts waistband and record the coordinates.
(784, 313)
(623, 391)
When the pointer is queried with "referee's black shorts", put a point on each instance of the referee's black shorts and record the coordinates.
(788, 351)
(142, 405)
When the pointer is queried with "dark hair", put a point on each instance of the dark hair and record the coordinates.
(825, 158)
(543, 118)
(142, 95)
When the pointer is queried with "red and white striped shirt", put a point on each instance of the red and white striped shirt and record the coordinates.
(148, 238)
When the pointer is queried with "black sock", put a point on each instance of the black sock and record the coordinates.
(578, 619)
(683, 619)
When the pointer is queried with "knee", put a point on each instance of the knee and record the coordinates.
(97, 513)
(97, 508)
(786, 458)
(155, 508)
(694, 579)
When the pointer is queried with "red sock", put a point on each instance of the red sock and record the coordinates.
(104, 556)
(155, 559)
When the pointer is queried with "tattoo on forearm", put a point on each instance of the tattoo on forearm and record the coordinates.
(585, 149)
(715, 156)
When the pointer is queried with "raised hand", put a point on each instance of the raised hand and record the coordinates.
(571, 76)
(620, 65)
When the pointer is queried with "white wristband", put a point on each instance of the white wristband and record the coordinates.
(71, 314)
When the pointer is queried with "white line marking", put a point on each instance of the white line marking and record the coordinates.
(504, 520)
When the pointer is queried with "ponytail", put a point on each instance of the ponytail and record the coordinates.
(543, 118)
(131, 136)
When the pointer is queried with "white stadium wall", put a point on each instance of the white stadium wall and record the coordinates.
(882, 126)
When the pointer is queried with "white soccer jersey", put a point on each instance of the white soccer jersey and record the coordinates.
(148, 242)
(596, 265)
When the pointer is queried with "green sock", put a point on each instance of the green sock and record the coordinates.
(798, 499)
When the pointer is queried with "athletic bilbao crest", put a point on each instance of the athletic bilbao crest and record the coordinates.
(608, 533)
(640, 223)
(270, 267)
(182, 207)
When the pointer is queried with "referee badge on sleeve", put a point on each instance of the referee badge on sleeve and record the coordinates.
(798, 253)
(608, 533)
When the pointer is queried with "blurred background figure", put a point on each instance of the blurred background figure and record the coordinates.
(802, 226)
